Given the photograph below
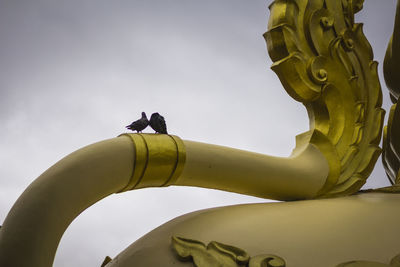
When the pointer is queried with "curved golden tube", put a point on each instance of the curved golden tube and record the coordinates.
(162, 160)
(34, 226)
(298, 177)
(37, 221)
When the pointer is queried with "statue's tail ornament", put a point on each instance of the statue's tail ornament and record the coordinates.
(391, 136)
(324, 60)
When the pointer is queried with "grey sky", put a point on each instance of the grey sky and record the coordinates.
(76, 72)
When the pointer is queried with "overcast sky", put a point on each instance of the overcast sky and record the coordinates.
(76, 72)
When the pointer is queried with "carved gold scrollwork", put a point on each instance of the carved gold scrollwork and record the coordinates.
(267, 260)
(216, 254)
(324, 61)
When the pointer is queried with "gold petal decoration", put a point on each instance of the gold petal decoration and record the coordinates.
(323, 60)
(216, 254)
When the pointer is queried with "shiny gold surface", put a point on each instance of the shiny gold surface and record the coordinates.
(162, 160)
(34, 226)
(159, 160)
(324, 61)
(391, 141)
(299, 176)
(216, 254)
(134, 161)
(320, 233)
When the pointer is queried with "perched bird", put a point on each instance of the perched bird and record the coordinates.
(140, 124)
(157, 122)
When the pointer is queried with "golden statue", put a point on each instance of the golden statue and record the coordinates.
(323, 60)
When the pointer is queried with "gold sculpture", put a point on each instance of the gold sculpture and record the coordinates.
(323, 60)
(391, 155)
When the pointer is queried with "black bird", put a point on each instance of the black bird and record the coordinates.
(140, 124)
(157, 122)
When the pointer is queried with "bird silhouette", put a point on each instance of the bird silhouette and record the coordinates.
(157, 122)
(140, 124)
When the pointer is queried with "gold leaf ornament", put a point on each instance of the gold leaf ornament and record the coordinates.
(217, 254)
(214, 254)
(323, 60)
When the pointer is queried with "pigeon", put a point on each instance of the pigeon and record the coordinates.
(140, 124)
(157, 122)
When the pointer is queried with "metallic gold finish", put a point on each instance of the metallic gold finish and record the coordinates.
(213, 255)
(324, 61)
(162, 160)
(391, 141)
(391, 145)
(38, 219)
(216, 254)
(159, 160)
(52, 201)
(310, 233)
(395, 262)
(267, 260)
(391, 63)
(299, 176)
